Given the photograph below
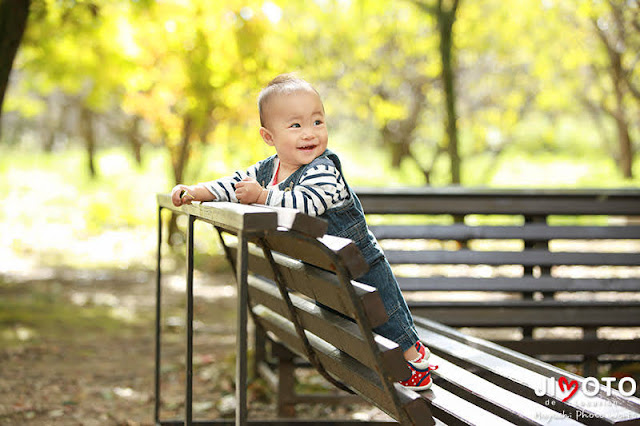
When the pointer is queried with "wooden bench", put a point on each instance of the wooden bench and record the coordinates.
(299, 287)
(257, 241)
(532, 260)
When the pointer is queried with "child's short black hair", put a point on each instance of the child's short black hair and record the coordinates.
(282, 84)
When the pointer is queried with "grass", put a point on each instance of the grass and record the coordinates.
(52, 209)
(36, 314)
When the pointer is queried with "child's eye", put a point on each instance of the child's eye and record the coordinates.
(317, 122)
(296, 125)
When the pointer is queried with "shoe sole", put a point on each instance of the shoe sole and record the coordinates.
(419, 388)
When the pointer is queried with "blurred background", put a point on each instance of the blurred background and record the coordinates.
(110, 102)
(105, 103)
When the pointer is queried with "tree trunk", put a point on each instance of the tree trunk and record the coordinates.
(49, 125)
(445, 14)
(13, 21)
(446, 18)
(619, 82)
(625, 160)
(398, 134)
(134, 139)
(86, 124)
(180, 162)
(179, 165)
(622, 124)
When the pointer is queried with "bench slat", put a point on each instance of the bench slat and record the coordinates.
(491, 397)
(586, 347)
(316, 255)
(230, 216)
(529, 232)
(529, 257)
(318, 284)
(521, 360)
(464, 205)
(295, 220)
(523, 377)
(344, 367)
(453, 410)
(517, 284)
(539, 313)
(336, 330)
(461, 201)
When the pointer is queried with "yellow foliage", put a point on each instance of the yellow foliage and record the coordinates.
(385, 111)
(198, 65)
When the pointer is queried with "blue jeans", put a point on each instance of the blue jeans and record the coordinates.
(399, 327)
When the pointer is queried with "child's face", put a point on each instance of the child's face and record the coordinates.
(296, 128)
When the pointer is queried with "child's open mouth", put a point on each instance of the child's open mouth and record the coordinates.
(307, 147)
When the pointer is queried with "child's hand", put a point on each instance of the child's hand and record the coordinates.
(249, 191)
(180, 195)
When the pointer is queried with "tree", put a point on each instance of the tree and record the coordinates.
(381, 55)
(200, 64)
(445, 14)
(377, 70)
(69, 47)
(603, 70)
(384, 61)
(615, 30)
(13, 21)
(501, 76)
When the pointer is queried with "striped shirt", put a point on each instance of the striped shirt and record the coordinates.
(320, 188)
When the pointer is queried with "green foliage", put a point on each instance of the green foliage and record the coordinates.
(70, 46)
(192, 71)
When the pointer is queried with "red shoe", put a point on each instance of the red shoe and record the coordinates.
(420, 376)
(423, 351)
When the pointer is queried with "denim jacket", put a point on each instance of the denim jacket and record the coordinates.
(346, 220)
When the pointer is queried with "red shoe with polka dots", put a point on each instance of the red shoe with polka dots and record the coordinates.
(420, 371)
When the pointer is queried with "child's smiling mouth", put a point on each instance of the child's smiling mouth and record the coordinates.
(307, 147)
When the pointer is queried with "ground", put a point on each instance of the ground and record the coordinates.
(77, 348)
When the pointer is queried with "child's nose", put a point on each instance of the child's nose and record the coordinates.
(307, 134)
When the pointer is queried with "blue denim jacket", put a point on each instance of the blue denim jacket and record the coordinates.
(346, 220)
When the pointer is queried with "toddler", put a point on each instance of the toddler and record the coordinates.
(305, 175)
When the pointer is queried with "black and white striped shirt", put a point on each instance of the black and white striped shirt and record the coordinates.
(320, 188)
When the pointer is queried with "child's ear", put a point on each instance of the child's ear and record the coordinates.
(267, 137)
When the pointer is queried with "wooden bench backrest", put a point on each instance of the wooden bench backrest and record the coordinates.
(522, 240)
(317, 272)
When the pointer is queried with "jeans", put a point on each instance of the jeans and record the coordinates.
(399, 328)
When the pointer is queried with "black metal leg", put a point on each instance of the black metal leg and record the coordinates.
(590, 364)
(241, 339)
(286, 382)
(259, 350)
(156, 411)
(189, 361)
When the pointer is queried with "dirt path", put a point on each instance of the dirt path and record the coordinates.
(77, 348)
